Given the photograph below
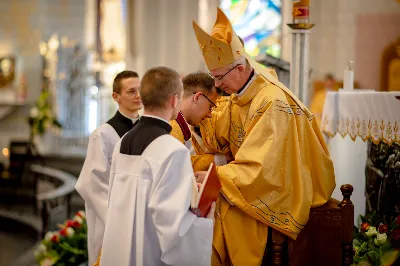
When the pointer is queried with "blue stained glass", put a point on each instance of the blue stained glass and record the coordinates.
(258, 22)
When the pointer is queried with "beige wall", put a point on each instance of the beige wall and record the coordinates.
(352, 30)
(160, 33)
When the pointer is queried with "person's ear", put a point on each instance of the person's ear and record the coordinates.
(196, 97)
(116, 97)
(241, 68)
(174, 100)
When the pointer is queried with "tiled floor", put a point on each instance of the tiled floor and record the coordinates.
(12, 246)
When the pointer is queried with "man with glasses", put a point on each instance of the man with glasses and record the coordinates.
(92, 183)
(198, 102)
(281, 166)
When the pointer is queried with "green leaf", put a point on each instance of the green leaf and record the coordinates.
(356, 242)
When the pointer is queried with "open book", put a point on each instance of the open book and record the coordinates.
(208, 193)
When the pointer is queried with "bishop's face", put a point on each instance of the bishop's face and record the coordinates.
(129, 98)
(230, 80)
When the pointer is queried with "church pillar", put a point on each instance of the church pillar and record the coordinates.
(299, 65)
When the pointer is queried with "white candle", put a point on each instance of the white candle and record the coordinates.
(348, 78)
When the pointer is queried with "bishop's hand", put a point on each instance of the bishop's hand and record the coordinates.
(200, 175)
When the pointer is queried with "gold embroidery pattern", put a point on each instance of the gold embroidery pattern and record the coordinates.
(374, 130)
(282, 220)
(260, 111)
(237, 134)
(293, 109)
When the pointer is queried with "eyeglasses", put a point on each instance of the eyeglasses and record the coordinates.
(220, 78)
(134, 91)
(213, 104)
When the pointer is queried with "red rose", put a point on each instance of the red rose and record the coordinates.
(55, 238)
(76, 224)
(63, 232)
(364, 226)
(73, 224)
(398, 220)
(80, 214)
(69, 223)
(383, 228)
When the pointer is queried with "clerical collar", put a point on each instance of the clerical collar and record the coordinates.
(180, 119)
(130, 118)
(155, 120)
(246, 85)
(121, 123)
(156, 117)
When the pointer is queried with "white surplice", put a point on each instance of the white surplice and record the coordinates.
(149, 222)
(92, 185)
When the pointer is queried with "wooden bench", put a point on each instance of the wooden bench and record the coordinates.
(325, 240)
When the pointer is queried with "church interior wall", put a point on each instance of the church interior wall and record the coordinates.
(160, 32)
(341, 29)
(168, 40)
(23, 25)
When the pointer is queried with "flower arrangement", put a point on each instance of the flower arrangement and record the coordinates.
(41, 116)
(67, 246)
(376, 243)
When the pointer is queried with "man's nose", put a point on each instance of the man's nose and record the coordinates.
(217, 82)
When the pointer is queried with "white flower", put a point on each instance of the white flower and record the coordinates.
(78, 219)
(41, 249)
(69, 232)
(371, 231)
(34, 112)
(380, 239)
(48, 236)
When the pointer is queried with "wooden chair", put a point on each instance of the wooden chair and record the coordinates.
(325, 240)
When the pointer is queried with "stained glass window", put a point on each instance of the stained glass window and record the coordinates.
(258, 23)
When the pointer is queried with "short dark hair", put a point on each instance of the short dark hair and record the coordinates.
(194, 82)
(158, 85)
(126, 74)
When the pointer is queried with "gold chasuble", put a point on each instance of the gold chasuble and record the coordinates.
(180, 130)
(281, 166)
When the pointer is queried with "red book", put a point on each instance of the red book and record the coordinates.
(207, 193)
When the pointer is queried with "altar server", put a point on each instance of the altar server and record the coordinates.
(92, 183)
(149, 221)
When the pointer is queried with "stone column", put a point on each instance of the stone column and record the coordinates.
(299, 65)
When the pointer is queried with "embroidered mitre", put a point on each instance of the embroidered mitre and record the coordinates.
(223, 46)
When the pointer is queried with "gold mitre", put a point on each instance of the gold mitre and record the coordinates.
(223, 46)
